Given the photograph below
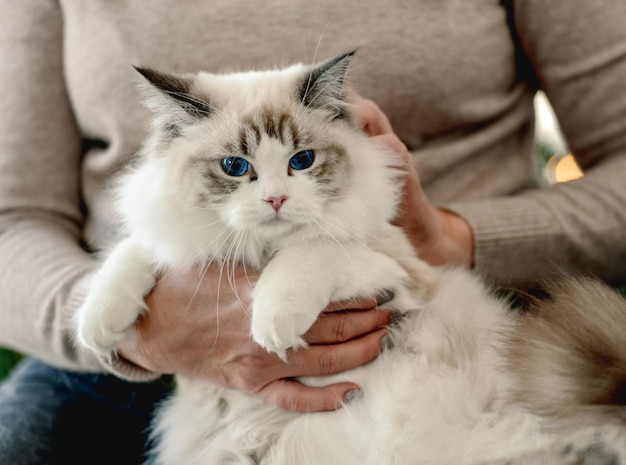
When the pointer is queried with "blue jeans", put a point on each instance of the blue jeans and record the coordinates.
(54, 417)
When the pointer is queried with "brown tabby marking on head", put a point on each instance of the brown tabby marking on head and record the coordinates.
(249, 136)
(333, 170)
(277, 124)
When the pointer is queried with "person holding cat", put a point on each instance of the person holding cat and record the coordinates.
(453, 86)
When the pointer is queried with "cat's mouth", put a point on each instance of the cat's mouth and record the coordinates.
(275, 221)
(277, 224)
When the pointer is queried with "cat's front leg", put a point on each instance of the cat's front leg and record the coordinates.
(115, 298)
(300, 281)
(287, 299)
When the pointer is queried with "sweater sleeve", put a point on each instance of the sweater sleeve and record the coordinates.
(43, 268)
(577, 50)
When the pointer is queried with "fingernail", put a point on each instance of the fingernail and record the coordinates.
(386, 343)
(383, 318)
(384, 296)
(352, 395)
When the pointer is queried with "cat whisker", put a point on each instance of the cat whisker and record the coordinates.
(221, 245)
(229, 265)
(329, 234)
(322, 108)
(367, 63)
(347, 231)
(333, 197)
(317, 48)
(246, 309)
(197, 289)
(323, 90)
(214, 207)
(217, 306)
(229, 246)
(231, 261)
(242, 240)
(202, 226)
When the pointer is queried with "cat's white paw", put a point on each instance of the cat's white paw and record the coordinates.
(115, 300)
(103, 323)
(292, 292)
(278, 326)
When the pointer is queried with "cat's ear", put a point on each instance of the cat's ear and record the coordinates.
(172, 93)
(324, 85)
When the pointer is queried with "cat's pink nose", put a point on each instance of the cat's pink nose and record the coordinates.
(276, 202)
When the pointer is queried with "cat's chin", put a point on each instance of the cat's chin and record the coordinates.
(274, 227)
(276, 223)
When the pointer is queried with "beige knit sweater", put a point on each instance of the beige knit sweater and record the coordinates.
(445, 71)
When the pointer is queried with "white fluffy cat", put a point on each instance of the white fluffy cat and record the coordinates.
(268, 169)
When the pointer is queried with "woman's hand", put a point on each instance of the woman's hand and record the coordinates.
(439, 236)
(198, 324)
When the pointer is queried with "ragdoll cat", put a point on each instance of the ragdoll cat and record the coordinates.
(269, 169)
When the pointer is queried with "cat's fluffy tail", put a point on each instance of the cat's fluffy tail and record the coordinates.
(568, 355)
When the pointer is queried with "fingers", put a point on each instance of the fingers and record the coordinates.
(369, 116)
(323, 360)
(319, 361)
(295, 396)
(394, 143)
(357, 303)
(336, 327)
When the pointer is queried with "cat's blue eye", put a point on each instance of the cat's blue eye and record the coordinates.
(235, 166)
(302, 160)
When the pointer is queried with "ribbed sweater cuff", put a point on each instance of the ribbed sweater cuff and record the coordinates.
(127, 370)
(514, 239)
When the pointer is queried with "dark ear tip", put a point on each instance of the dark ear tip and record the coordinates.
(344, 56)
(145, 72)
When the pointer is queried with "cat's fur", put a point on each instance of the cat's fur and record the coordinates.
(465, 379)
